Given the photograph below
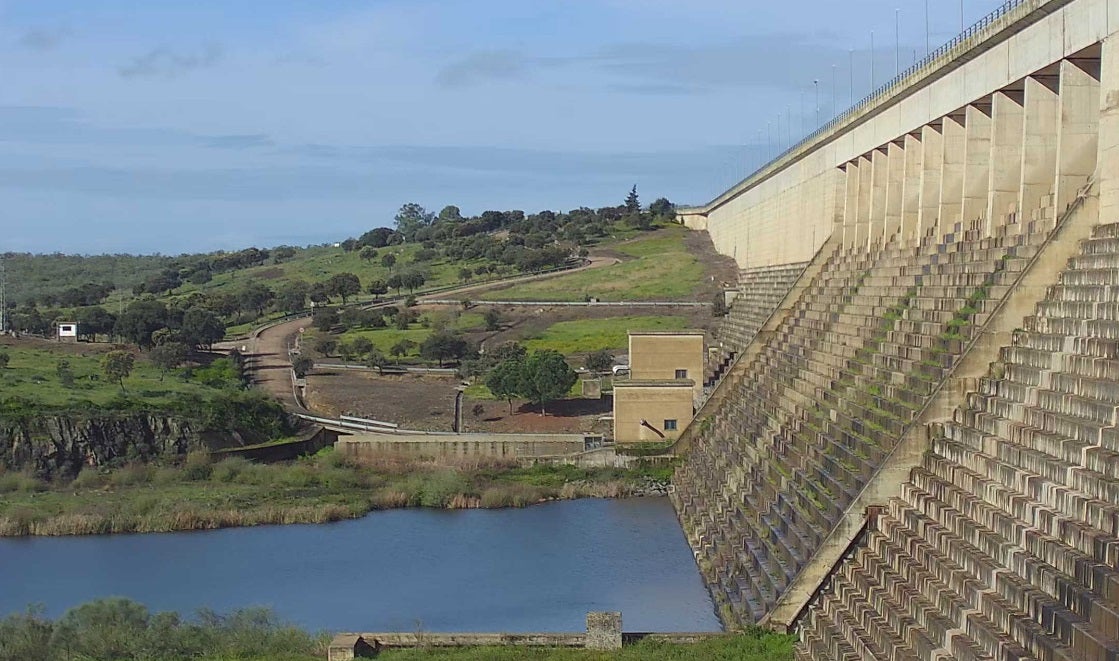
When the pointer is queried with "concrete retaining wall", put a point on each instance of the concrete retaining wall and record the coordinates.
(506, 446)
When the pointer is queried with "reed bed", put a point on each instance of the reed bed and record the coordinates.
(198, 494)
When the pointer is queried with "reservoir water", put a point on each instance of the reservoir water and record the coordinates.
(535, 569)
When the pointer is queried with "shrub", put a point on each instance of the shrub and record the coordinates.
(197, 466)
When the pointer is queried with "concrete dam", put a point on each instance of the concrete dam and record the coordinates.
(914, 451)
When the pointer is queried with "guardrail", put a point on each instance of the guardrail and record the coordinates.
(366, 426)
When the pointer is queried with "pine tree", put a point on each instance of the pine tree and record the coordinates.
(633, 204)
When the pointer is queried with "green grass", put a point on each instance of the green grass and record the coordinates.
(661, 269)
(587, 335)
(385, 338)
(32, 376)
(318, 264)
(118, 629)
(751, 647)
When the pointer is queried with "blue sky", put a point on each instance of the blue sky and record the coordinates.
(182, 126)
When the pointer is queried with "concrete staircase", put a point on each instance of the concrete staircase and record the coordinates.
(807, 420)
(760, 292)
(1005, 541)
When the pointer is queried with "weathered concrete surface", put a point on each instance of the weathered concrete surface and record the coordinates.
(784, 212)
(347, 646)
(1030, 288)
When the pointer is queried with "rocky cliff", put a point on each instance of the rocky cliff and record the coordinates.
(60, 445)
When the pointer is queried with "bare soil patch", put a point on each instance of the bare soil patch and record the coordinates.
(413, 401)
(569, 416)
(720, 271)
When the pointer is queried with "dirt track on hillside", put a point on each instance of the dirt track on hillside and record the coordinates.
(267, 348)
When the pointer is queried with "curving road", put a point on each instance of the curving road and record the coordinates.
(267, 347)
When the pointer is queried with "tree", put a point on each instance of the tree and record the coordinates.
(395, 282)
(545, 376)
(504, 380)
(368, 253)
(374, 358)
(492, 318)
(402, 348)
(361, 346)
(5, 359)
(117, 365)
(376, 238)
(94, 321)
(413, 280)
(633, 204)
(168, 356)
(344, 284)
(255, 296)
(411, 218)
(325, 319)
(302, 366)
(378, 288)
(443, 345)
(319, 293)
(388, 260)
(201, 328)
(325, 345)
(599, 361)
(465, 274)
(662, 208)
(293, 297)
(140, 320)
(450, 214)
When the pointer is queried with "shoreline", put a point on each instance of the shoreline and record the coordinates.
(235, 494)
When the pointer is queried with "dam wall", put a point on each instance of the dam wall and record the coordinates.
(913, 453)
(862, 175)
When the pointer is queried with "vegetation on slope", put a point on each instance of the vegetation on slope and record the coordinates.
(656, 267)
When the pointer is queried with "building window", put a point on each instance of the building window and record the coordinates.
(670, 425)
(681, 374)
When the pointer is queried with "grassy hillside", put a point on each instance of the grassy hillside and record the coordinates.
(654, 267)
(588, 335)
(33, 374)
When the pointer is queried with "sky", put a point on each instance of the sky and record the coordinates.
(170, 127)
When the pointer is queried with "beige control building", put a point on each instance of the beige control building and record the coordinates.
(667, 356)
(665, 383)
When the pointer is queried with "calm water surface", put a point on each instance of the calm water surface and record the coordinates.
(535, 569)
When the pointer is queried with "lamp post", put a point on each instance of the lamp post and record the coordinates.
(816, 84)
(897, 42)
(872, 80)
(928, 47)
